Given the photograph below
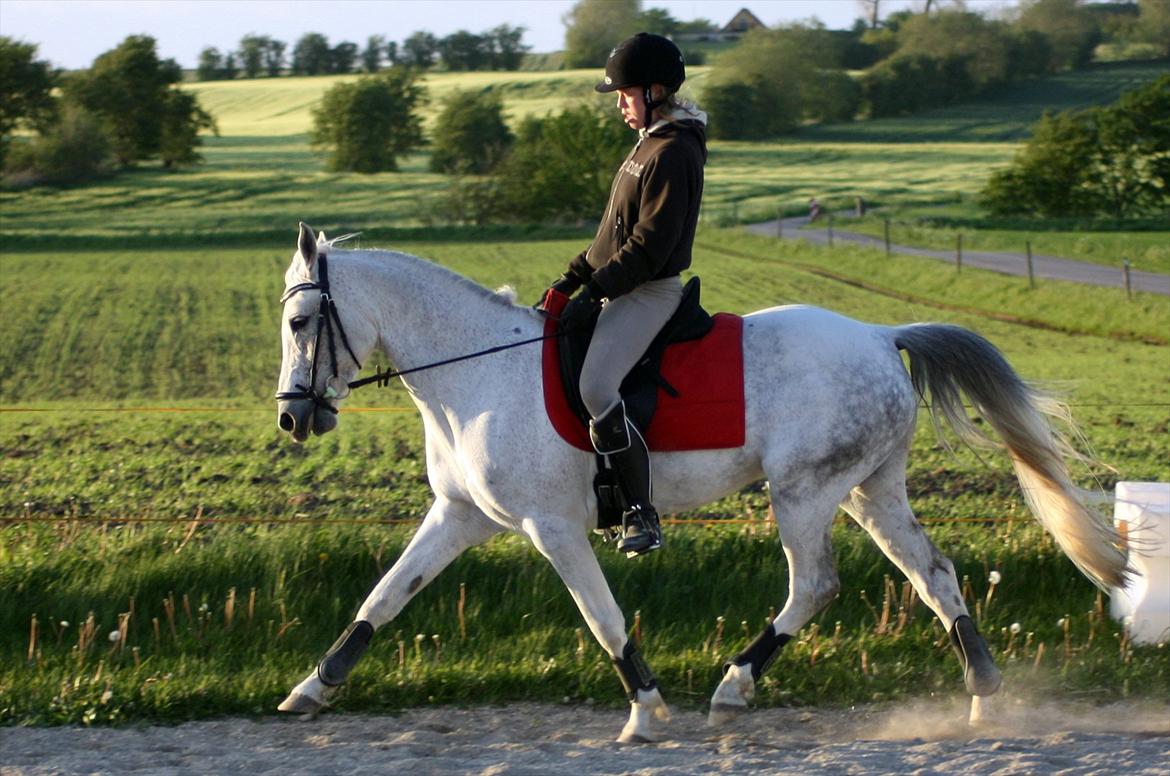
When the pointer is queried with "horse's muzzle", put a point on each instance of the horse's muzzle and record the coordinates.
(298, 418)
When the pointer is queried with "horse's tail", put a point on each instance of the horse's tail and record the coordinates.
(949, 361)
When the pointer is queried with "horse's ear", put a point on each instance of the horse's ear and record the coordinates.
(307, 246)
(322, 239)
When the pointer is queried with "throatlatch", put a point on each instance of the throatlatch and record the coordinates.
(761, 653)
(344, 654)
(980, 673)
(634, 672)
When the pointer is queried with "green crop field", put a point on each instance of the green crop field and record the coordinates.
(145, 490)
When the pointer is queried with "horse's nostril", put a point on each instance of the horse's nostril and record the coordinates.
(286, 422)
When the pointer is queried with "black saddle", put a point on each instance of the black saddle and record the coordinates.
(640, 388)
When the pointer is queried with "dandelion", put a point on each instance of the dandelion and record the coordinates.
(115, 637)
(64, 624)
(994, 577)
(1015, 628)
(1060, 622)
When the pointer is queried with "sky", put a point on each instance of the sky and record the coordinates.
(72, 33)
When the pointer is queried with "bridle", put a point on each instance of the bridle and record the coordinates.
(328, 319)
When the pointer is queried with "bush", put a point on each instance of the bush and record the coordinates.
(470, 135)
(73, 150)
(367, 124)
(1113, 160)
(558, 170)
(906, 83)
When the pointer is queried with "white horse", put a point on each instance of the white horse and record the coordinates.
(830, 412)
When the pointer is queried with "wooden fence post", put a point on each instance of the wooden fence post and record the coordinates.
(779, 222)
(959, 252)
(1125, 275)
(887, 230)
(830, 227)
(1031, 274)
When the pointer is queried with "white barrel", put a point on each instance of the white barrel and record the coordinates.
(1141, 511)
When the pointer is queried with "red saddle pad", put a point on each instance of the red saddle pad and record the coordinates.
(707, 414)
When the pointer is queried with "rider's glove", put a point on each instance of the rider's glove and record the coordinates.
(580, 310)
(566, 284)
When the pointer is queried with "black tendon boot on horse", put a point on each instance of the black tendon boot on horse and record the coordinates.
(615, 437)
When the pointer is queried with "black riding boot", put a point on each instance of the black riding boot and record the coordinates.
(615, 437)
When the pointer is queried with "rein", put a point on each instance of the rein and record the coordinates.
(327, 318)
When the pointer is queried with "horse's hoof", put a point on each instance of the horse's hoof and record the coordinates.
(634, 738)
(297, 703)
(723, 713)
(982, 711)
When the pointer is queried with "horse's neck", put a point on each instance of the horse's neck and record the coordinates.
(427, 313)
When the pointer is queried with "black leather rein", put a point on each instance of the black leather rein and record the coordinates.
(327, 319)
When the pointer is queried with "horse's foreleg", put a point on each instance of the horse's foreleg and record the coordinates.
(572, 556)
(812, 583)
(879, 505)
(449, 528)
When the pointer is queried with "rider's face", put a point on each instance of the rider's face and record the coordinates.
(632, 106)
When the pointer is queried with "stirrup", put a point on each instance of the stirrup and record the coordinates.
(641, 532)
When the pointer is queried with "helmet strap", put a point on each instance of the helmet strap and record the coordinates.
(651, 105)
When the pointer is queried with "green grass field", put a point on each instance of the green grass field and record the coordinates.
(140, 346)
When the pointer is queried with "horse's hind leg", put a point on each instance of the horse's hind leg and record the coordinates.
(805, 522)
(449, 528)
(879, 505)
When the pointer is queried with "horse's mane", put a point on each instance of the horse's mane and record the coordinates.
(505, 295)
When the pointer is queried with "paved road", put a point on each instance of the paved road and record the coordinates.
(1051, 267)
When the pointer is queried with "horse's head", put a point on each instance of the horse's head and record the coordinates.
(322, 339)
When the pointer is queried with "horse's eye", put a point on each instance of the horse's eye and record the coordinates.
(298, 323)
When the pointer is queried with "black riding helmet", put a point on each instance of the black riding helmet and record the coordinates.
(643, 60)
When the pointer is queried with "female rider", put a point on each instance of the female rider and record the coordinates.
(631, 269)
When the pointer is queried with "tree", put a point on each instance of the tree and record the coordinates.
(274, 57)
(126, 88)
(1154, 23)
(342, 57)
(210, 66)
(594, 27)
(420, 49)
(372, 53)
(310, 55)
(253, 48)
(773, 80)
(984, 45)
(182, 121)
(659, 21)
(507, 50)
(366, 125)
(26, 86)
(470, 135)
(463, 50)
(392, 57)
(1070, 32)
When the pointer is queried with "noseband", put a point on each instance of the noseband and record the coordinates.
(327, 318)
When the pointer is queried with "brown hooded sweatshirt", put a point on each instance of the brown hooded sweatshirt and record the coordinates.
(649, 224)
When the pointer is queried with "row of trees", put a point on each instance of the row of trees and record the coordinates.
(1112, 161)
(778, 79)
(500, 48)
(123, 110)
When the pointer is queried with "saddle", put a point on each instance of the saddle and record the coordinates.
(685, 393)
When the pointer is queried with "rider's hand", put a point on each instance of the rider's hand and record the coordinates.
(580, 310)
(566, 284)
